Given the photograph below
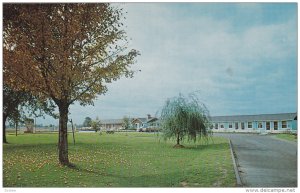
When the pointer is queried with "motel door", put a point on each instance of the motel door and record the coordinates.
(268, 125)
(275, 125)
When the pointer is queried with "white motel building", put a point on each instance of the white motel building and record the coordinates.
(264, 123)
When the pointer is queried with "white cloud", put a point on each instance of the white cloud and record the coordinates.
(196, 53)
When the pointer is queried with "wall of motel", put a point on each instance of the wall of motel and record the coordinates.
(287, 123)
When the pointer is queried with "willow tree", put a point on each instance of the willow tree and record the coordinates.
(65, 52)
(184, 117)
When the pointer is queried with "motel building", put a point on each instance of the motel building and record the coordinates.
(264, 123)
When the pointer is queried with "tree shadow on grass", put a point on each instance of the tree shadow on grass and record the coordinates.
(77, 168)
(168, 178)
(12, 147)
(123, 179)
(212, 146)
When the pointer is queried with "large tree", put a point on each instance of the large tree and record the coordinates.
(185, 117)
(66, 52)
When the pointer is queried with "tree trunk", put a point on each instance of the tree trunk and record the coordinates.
(16, 125)
(178, 139)
(4, 128)
(63, 135)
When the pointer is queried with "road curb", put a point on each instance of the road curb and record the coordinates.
(236, 171)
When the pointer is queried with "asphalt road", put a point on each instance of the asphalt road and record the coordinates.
(264, 161)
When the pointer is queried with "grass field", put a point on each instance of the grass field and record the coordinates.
(116, 160)
(288, 137)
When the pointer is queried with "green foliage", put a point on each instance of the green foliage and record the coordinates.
(95, 124)
(135, 160)
(126, 123)
(185, 117)
(18, 104)
(289, 137)
(87, 122)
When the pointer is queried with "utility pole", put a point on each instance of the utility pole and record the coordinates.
(16, 125)
(73, 131)
(34, 129)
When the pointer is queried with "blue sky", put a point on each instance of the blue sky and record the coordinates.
(240, 57)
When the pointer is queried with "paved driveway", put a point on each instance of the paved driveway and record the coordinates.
(264, 161)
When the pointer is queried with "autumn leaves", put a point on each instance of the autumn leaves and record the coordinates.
(64, 53)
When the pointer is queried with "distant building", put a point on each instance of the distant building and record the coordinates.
(153, 123)
(111, 124)
(139, 124)
(264, 123)
(146, 124)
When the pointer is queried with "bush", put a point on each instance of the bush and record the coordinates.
(110, 132)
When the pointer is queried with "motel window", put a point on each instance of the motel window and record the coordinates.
(222, 126)
(216, 126)
(243, 125)
(284, 125)
(268, 125)
(275, 125)
(259, 125)
(230, 126)
(236, 125)
(249, 124)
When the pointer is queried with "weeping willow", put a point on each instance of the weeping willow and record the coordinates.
(185, 118)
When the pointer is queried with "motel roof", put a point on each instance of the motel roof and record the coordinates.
(112, 121)
(142, 120)
(262, 117)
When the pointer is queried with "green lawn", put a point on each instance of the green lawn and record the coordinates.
(116, 160)
(288, 137)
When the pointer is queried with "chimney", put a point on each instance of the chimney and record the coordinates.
(148, 116)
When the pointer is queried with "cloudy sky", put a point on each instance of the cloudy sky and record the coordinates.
(240, 58)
